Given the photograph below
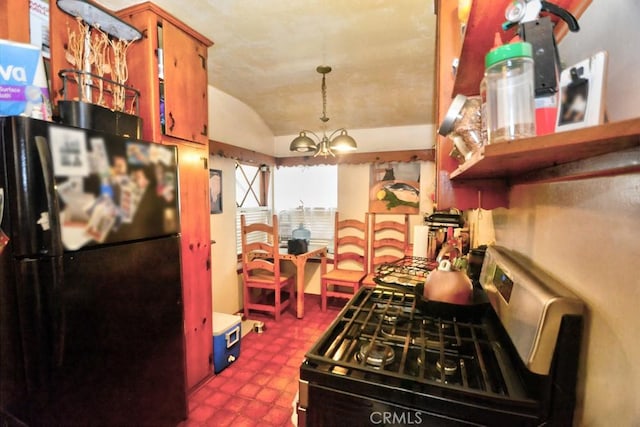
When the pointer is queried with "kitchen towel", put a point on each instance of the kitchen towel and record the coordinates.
(420, 240)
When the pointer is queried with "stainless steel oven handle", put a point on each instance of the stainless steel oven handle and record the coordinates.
(303, 402)
(303, 394)
(302, 417)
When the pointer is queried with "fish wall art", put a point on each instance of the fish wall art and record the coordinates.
(395, 188)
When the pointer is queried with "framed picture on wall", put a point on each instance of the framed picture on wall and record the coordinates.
(215, 190)
(582, 93)
(394, 188)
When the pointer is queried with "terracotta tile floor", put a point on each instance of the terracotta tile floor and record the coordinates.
(259, 388)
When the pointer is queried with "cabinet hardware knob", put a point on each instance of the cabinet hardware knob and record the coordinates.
(173, 122)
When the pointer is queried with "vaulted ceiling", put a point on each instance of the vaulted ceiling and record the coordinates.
(265, 54)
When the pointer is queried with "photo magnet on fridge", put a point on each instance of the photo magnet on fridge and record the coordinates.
(582, 94)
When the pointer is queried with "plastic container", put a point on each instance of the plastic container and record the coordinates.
(463, 125)
(227, 332)
(546, 114)
(510, 91)
(301, 233)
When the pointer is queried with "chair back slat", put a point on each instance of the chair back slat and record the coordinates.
(259, 227)
(259, 247)
(260, 264)
(389, 243)
(351, 240)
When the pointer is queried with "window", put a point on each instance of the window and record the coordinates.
(252, 190)
(306, 195)
(251, 185)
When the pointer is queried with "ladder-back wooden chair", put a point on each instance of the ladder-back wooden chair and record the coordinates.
(388, 242)
(261, 270)
(349, 259)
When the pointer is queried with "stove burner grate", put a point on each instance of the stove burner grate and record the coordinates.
(381, 336)
(375, 354)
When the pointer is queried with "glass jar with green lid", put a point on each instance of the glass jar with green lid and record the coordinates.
(510, 106)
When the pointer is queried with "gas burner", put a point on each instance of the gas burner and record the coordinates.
(378, 356)
(450, 366)
(389, 315)
(436, 326)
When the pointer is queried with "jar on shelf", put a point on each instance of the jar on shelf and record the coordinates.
(510, 86)
(463, 125)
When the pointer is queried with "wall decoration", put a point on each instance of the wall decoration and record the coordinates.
(395, 188)
(215, 190)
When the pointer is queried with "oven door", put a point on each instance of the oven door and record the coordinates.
(339, 407)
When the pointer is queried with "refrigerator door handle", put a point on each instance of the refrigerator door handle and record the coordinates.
(57, 326)
(53, 210)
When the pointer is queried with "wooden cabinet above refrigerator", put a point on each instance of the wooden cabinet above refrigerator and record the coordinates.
(169, 68)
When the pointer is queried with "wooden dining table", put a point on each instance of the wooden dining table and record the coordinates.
(300, 260)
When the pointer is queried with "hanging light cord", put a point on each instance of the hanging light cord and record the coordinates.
(324, 117)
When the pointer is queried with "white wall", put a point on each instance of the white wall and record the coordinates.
(227, 291)
(586, 232)
(233, 122)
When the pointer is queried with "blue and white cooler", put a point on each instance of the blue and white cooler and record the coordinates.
(227, 332)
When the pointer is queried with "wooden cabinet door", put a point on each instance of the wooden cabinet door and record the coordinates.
(185, 85)
(14, 20)
(196, 260)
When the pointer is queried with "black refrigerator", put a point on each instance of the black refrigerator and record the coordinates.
(91, 313)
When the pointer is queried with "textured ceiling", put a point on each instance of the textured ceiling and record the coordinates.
(265, 54)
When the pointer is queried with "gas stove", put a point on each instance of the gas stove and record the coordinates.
(388, 359)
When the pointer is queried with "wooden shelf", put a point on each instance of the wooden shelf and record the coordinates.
(485, 20)
(513, 160)
(484, 180)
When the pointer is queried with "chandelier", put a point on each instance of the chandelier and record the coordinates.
(327, 144)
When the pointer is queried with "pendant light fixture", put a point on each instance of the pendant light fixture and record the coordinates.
(326, 145)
